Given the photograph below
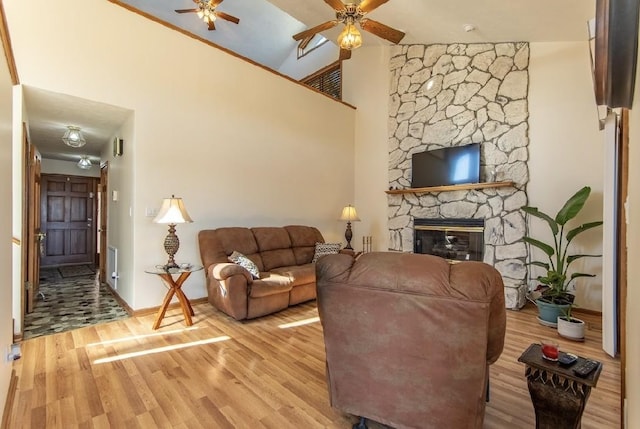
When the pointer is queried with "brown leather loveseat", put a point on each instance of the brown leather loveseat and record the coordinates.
(409, 338)
(283, 256)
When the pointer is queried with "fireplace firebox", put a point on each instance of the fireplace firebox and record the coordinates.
(452, 239)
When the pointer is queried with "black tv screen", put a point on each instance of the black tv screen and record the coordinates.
(446, 166)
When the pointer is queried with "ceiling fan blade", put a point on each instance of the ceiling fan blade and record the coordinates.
(368, 5)
(215, 3)
(211, 25)
(381, 30)
(336, 4)
(345, 54)
(313, 30)
(186, 10)
(227, 17)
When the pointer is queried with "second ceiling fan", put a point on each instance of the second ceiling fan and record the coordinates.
(206, 10)
(350, 14)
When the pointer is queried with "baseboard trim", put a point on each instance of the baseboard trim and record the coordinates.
(586, 311)
(151, 310)
(121, 301)
(11, 395)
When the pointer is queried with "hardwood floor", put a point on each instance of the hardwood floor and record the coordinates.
(220, 373)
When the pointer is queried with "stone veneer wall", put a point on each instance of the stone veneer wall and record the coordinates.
(451, 95)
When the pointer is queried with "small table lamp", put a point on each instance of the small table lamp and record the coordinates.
(349, 214)
(172, 212)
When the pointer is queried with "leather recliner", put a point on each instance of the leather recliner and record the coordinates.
(409, 338)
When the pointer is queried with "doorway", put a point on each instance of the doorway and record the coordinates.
(68, 208)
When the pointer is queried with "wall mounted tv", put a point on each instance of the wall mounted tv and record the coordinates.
(447, 166)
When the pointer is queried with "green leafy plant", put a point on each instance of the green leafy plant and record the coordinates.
(557, 278)
(566, 312)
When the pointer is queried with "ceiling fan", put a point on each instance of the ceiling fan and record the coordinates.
(206, 10)
(350, 14)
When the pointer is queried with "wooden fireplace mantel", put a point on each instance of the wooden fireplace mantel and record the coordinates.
(463, 187)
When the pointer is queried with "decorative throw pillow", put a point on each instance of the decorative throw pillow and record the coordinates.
(325, 249)
(246, 263)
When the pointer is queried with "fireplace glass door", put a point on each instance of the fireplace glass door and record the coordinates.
(452, 239)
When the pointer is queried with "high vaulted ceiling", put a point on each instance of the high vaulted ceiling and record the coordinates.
(264, 34)
(265, 28)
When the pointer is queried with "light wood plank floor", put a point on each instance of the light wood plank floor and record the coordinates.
(224, 374)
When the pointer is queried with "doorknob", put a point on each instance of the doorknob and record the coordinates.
(40, 237)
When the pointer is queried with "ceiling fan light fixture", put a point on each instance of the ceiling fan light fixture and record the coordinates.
(350, 38)
(73, 137)
(84, 163)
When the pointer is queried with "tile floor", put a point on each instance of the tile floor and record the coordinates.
(70, 302)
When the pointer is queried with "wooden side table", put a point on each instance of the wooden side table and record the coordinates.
(558, 395)
(174, 286)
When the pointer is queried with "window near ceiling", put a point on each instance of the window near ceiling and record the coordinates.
(327, 80)
(309, 44)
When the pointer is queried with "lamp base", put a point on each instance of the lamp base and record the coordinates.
(171, 246)
(348, 235)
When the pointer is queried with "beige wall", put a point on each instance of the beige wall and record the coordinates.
(566, 150)
(633, 269)
(6, 325)
(366, 85)
(241, 145)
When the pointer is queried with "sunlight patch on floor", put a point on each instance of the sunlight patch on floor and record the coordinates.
(139, 337)
(299, 323)
(161, 349)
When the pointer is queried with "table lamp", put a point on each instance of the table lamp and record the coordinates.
(349, 214)
(172, 212)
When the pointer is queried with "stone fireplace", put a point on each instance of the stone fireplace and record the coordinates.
(452, 239)
(451, 95)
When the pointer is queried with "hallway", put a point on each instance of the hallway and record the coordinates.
(70, 298)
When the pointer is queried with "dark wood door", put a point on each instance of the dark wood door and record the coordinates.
(34, 234)
(67, 211)
(102, 219)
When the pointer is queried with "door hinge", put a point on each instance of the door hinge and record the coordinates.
(27, 285)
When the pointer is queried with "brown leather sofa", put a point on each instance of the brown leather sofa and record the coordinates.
(282, 254)
(409, 338)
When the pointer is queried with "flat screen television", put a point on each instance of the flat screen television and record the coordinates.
(447, 166)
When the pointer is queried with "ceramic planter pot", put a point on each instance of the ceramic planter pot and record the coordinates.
(571, 329)
(548, 313)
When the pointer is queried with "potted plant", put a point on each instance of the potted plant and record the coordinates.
(555, 296)
(570, 327)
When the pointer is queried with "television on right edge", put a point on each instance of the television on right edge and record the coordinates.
(447, 166)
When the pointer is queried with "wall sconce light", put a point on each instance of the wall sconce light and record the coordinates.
(73, 137)
(172, 212)
(350, 215)
(84, 163)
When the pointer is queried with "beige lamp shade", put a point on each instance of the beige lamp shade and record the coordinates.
(349, 214)
(172, 212)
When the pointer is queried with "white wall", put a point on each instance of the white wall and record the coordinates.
(6, 325)
(566, 151)
(57, 166)
(366, 85)
(120, 203)
(633, 268)
(298, 68)
(240, 145)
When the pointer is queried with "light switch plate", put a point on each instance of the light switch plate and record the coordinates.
(150, 212)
